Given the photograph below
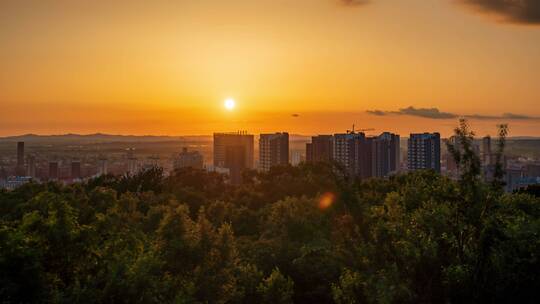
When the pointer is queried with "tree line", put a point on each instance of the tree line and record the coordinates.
(305, 234)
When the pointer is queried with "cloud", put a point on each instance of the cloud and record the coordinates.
(353, 2)
(426, 113)
(503, 116)
(509, 11)
(513, 11)
(434, 113)
(376, 112)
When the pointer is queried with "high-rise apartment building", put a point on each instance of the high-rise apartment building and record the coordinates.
(3, 173)
(132, 167)
(486, 151)
(235, 162)
(489, 160)
(191, 159)
(296, 157)
(343, 150)
(19, 170)
(102, 168)
(31, 166)
(385, 154)
(75, 170)
(353, 151)
(364, 157)
(273, 150)
(424, 151)
(233, 151)
(53, 170)
(320, 149)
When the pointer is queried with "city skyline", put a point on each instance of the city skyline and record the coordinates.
(309, 67)
(353, 153)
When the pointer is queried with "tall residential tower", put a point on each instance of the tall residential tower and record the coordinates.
(320, 149)
(233, 151)
(385, 154)
(273, 150)
(424, 152)
(19, 170)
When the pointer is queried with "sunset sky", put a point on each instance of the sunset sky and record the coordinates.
(303, 66)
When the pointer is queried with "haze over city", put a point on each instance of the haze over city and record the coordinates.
(305, 66)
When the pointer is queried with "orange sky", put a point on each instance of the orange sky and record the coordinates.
(165, 67)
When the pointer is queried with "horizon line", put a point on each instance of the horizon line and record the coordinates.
(7, 137)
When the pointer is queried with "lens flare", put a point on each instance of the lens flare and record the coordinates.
(326, 200)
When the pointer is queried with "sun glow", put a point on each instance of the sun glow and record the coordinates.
(229, 104)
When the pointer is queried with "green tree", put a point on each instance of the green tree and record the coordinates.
(349, 289)
(276, 288)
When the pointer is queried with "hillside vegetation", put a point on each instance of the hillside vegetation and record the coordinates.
(306, 234)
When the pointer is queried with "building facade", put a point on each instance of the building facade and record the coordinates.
(132, 165)
(344, 150)
(19, 169)
(297, 157)
(487, 155)
(188, 159)
(75, 170)
(320, 149)
(233, 151)
(354, 152)
(424, 152)
(53, 170)
(385, 154)
(102, 168)
(273, 150)
(31, 166)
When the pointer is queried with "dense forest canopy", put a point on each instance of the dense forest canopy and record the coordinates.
(306, 234)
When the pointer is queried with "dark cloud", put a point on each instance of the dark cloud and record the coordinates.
(504, 116)
(376, 112)
(426, 113)
(434, 113)
(353, 2)
(512, 11)
(515, 11)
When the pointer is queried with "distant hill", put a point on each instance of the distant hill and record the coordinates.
(107, 138)
(96, 138)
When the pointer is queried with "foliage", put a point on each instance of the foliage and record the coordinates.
(191, 237)
(276, 288)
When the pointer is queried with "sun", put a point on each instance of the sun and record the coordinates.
(229, 104)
